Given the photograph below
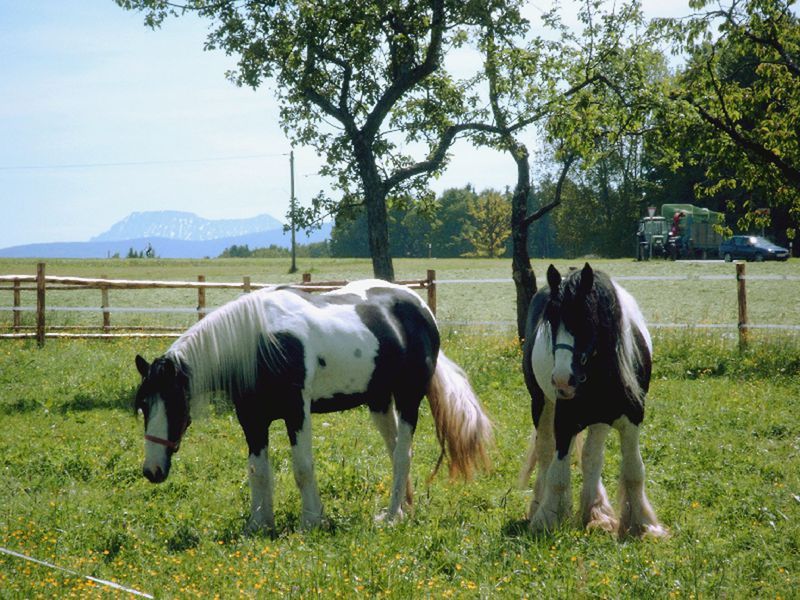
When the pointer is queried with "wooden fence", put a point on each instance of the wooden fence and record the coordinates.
(41, 283)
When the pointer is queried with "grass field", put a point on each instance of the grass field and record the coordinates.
(720, 444)
(696, 301)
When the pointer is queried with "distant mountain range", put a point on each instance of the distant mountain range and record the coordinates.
(172, 234)
(186, 226)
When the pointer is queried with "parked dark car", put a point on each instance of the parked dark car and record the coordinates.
(751, 247)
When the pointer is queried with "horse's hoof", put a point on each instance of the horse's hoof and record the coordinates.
(254, 527)
(386, 518)
(656, 531)
(644, 531)
(543, 521)
(312, 523)
(601, 518)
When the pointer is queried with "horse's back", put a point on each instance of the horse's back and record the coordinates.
(366, 340)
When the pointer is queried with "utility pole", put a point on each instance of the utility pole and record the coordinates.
(293, 205)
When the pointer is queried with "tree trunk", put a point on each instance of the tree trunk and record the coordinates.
(378, 233)
(377, 219)
(521, 269)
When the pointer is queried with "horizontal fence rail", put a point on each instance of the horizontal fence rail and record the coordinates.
(42, 284)
(19, 283)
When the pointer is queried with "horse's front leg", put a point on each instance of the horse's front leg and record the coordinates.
(298, 426)
(596, 511)
(261, 488)
(556, 502)
(637, 517)
(259, 471)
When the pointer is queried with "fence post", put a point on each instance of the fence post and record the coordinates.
(104, 306)
(741, 290)
(306, 277)
(17, 304)
(201, 298)
(246, 283)
(40, 304)
(432, 290)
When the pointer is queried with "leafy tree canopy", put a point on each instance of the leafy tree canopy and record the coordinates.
(362, 82)
(738, 99)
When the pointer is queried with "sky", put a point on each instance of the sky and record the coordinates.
(101, 116)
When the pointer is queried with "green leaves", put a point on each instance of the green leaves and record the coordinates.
(741, 86)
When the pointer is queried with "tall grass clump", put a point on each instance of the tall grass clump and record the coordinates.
(691, 354)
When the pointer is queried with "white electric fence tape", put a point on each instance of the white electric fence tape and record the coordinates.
(102, 582)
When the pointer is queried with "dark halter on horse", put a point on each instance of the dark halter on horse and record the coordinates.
(569, 347)
(174, 446)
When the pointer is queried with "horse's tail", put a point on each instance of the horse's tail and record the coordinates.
(529, 463)
(463, 429)
(532, 457)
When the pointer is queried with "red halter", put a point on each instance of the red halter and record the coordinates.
(162, 441)
(168, 443)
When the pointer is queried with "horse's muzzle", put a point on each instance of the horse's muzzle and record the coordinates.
(564, 386)
(565, 394)
(154, 475)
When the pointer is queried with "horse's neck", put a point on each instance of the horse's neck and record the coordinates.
(220, 351)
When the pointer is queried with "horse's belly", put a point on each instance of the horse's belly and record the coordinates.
(338, 403)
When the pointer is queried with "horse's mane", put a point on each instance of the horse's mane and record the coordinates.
(615, 316)
(221, 352)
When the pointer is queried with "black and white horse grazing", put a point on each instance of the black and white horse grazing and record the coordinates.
(281, 353)
(587, 363)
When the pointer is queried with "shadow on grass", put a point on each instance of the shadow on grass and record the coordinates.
(515, 529)
(120, 399)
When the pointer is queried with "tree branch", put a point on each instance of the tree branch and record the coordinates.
(535, 216)
(405, 80)
(755, 151)
(339, 112)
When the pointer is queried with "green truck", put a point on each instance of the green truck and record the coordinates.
(680, 231)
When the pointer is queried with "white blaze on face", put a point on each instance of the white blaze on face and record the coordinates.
(562, 363)
(155, 455)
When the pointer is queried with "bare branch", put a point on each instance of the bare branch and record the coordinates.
(557, 199)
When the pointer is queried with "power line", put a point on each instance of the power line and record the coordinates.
(138, 163)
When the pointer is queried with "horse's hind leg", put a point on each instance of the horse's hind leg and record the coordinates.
(401, 467)
(637, 517)
(386, 423)
(406, 401)
(299, 429)
(596, 510)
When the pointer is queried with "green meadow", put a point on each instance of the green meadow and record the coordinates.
(721, 445)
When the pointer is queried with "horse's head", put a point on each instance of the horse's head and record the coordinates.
(164, 401)
(572, 315)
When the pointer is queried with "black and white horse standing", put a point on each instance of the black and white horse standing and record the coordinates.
(282, 354)
(587, 363)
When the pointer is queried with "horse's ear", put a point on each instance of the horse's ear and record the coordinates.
(587, 280)
(142, 366)
(553, 279)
